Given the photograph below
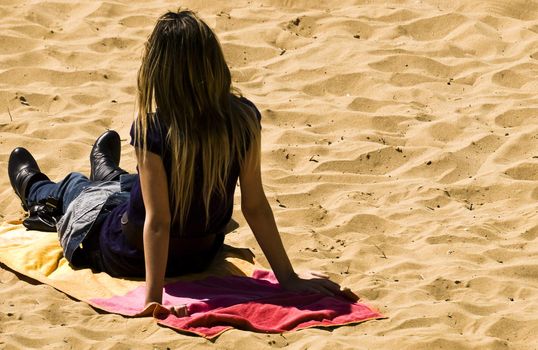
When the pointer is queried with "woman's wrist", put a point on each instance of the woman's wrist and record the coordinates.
(150, 300)
(286, 277)
(154, 295)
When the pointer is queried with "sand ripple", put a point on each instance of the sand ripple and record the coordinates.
(400, 156)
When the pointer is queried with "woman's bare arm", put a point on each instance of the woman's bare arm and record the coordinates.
(154, 186)
(259, 216)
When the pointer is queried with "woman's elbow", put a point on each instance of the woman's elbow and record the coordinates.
(250, 209)
(159, 224)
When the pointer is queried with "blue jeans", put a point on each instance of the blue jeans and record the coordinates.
(64, 191)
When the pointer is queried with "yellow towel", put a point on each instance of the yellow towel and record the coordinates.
(39, 255)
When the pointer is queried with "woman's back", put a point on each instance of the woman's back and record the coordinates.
(221, 204)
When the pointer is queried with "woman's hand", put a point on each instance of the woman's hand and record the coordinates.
(156, 309)
(318, 283)
(149, 309)
(179, 310)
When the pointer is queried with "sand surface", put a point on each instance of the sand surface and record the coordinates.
(400, 146)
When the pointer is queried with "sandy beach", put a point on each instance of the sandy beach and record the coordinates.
(400, 156)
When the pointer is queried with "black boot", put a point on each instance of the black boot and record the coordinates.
(23, 171)
(105, 158)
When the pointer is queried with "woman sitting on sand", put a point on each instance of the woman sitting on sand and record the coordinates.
(193, 137)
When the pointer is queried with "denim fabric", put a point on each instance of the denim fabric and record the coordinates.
(65, 191)
(86, 205)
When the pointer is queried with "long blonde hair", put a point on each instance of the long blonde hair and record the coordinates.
(185, 76)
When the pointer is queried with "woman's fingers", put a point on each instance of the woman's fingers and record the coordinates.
(319, 274)
(157, 309)
(331, 288)
(347, 293)
(179, 310)
(148, 310)
(335, 287)
(317, 286)
(316, 282)
(327, 283)
(326, 290)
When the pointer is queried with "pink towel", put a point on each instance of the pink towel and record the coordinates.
(258, 304)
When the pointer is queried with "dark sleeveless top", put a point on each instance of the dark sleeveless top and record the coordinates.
(120, 257)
